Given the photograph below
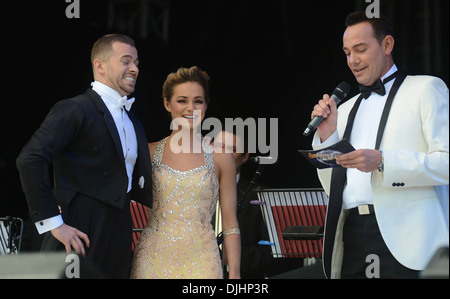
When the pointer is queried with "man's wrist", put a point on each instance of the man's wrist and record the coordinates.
(48, 224)
(380, 165)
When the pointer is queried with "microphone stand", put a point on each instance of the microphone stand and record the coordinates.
(258, 172)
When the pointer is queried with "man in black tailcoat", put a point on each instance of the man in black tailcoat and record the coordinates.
(99, 154)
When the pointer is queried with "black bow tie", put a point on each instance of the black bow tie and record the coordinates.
(377, 87)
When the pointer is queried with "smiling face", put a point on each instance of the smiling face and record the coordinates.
(187, 103)
(120, 69)
(366, 57)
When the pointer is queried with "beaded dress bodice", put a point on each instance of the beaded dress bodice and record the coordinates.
(179, 241)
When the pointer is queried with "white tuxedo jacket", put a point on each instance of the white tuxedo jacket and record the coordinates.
(411, 196)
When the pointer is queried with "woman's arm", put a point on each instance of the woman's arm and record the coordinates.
(228, 203)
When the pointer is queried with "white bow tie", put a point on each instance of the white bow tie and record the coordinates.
(124, 102)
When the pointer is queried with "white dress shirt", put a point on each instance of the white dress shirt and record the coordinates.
(127, 135)
(358, 190)
(124, 125)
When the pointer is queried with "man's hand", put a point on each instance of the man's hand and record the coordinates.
(71, 238)
(364, 160)
(327, 109)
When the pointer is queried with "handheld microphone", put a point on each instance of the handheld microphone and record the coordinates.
(339, 93)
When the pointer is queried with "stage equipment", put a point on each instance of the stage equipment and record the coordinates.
(295, 219)
(11, 232)
(55, 265)
(139, 216)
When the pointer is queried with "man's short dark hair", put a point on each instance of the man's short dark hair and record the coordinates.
(103, 46)
(381, 26)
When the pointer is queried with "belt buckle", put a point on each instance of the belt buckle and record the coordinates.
(363, 210)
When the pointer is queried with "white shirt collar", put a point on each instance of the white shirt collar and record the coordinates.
(392, 70)
(107, 93)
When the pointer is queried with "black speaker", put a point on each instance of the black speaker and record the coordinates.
(437, 268)
(314, 271)
(46, 266)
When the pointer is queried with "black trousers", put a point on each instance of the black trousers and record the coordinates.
(110, 233)
(366, 254)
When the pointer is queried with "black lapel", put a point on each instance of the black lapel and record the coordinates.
(143, 166)
(387, 107)
(141, 137)
(338, 181)
(109, 121)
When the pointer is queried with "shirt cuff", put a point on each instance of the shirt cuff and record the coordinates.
(48, 224)
(317, 144)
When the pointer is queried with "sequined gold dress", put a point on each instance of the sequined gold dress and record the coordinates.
(179, 241)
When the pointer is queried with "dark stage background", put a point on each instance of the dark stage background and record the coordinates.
(266, 59)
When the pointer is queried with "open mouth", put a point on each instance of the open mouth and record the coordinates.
(189, 116)
(129, 79)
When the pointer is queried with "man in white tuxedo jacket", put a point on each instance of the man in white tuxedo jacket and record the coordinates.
(390, 213)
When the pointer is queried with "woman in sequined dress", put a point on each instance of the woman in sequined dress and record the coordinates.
(188, 179)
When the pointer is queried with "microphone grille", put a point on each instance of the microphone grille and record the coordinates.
(343, 88)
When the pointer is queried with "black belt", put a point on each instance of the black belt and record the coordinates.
(362, 210)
